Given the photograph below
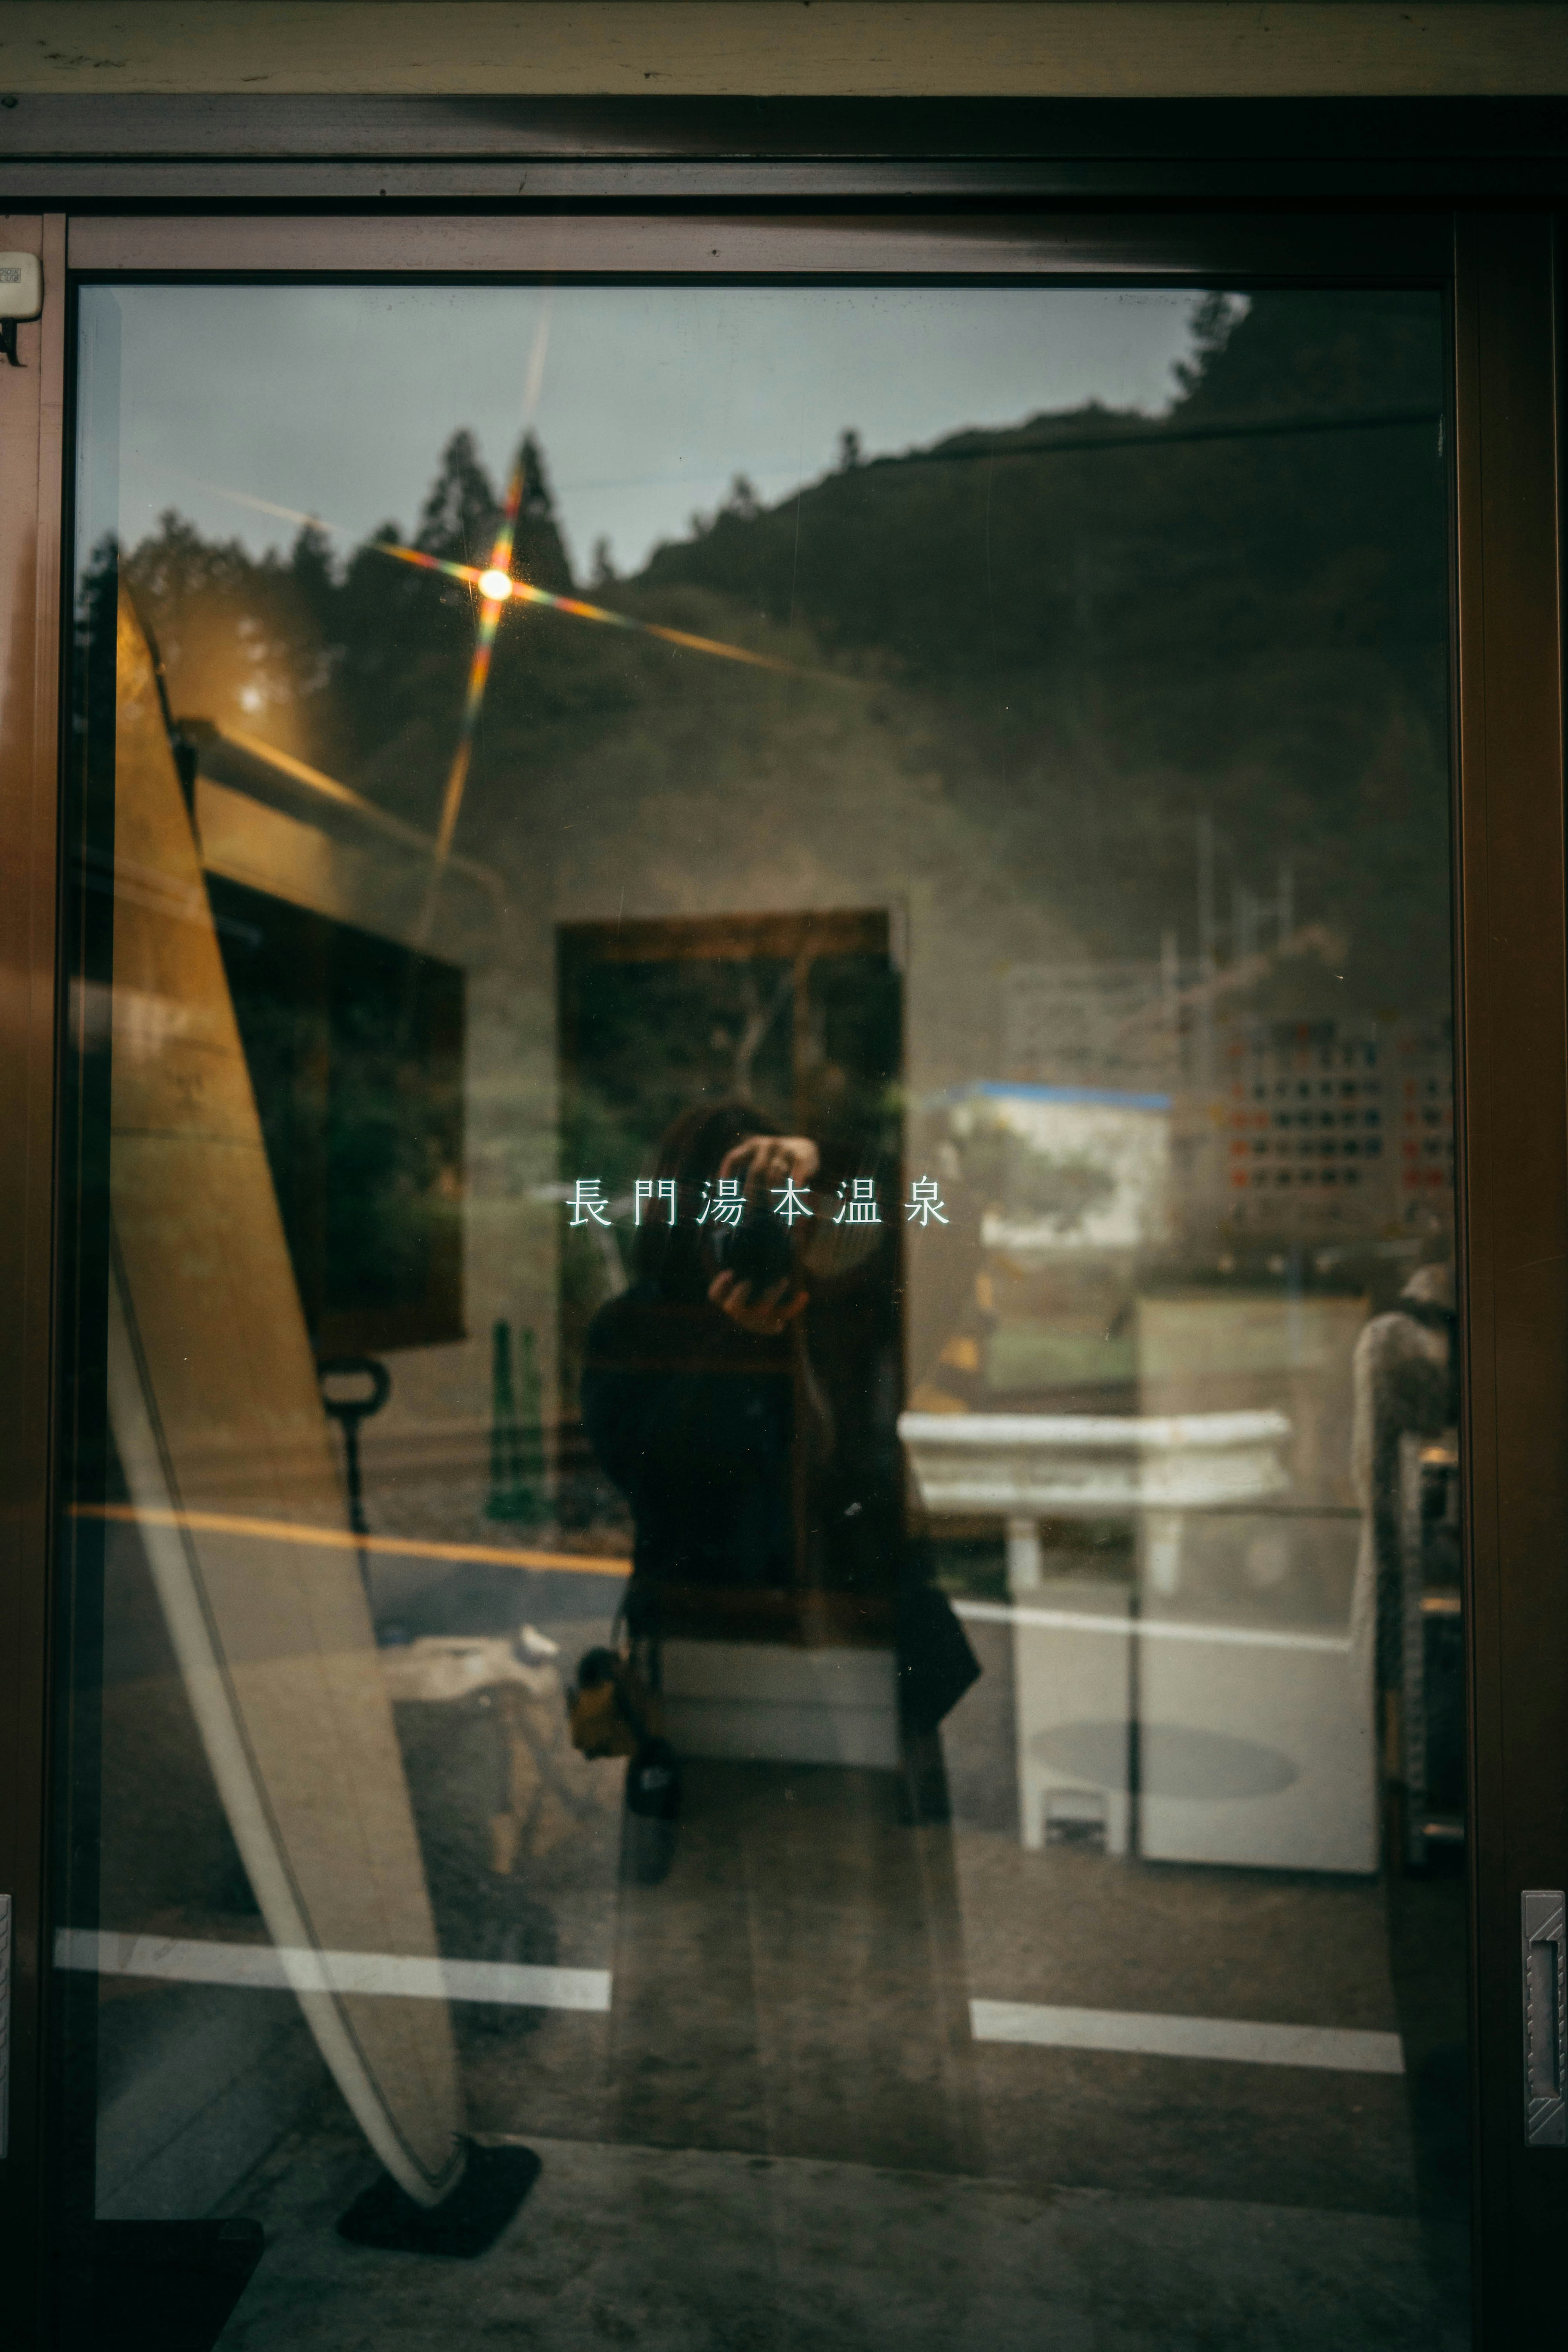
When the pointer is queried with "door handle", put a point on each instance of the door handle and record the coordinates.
(1543, 1953)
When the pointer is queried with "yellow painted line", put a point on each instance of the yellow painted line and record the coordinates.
(229, 1523)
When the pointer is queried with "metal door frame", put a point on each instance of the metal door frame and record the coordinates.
(1501, 270)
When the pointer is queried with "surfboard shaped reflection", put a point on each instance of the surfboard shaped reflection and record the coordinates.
(215, 1408)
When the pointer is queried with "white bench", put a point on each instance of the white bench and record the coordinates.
(1255, 1737)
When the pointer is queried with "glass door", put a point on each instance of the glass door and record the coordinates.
(764, 1630)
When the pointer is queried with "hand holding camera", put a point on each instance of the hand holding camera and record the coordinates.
(754, 1285)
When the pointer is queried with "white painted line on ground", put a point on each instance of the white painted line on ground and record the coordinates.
(1334, 2047)
(1148, 1629)
(265, 1967)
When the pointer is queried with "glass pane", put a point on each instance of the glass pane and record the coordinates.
(760, 1542)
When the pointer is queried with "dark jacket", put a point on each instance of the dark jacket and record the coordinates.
(693, 1418)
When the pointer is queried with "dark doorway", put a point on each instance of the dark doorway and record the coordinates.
(801, 1016)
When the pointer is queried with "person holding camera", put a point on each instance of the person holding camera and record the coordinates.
(688, 1391)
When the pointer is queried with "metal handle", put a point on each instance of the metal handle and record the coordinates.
(1544, 1952)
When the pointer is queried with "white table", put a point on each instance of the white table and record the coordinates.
(1025, 1467)
(1256, 1738)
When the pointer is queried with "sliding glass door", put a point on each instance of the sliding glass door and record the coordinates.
(766, 1630)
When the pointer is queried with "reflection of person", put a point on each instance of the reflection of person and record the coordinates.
(689, 1391)
(1405, 1381)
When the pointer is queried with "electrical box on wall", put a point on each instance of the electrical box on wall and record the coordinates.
(21, 286)
(21, 297)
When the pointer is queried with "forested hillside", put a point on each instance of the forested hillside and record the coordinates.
(1043, 640)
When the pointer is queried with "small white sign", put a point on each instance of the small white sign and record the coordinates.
(21, 286)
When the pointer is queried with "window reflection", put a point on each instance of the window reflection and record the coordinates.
(766, 1257)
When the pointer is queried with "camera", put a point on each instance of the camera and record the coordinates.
(756, 1251)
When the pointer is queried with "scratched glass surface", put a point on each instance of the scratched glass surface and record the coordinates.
(759, 1563)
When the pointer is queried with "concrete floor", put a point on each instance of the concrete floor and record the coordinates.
(782, 2135)
(705, 2251)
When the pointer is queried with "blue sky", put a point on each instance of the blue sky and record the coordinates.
(647, 399)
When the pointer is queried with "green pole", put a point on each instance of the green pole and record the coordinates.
(530, 1422)
(517, 1438)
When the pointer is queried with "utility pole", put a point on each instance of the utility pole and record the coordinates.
(1207, 959)
(1204, 1163)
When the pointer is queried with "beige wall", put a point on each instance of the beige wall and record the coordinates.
(1064, 48)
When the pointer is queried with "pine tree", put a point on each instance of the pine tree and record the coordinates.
(461, 514)
(539, 552)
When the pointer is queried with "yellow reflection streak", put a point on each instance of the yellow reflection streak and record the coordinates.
(232, 1523)
(486, 580)
(523, 592)
(494, 584)
(263, 506)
